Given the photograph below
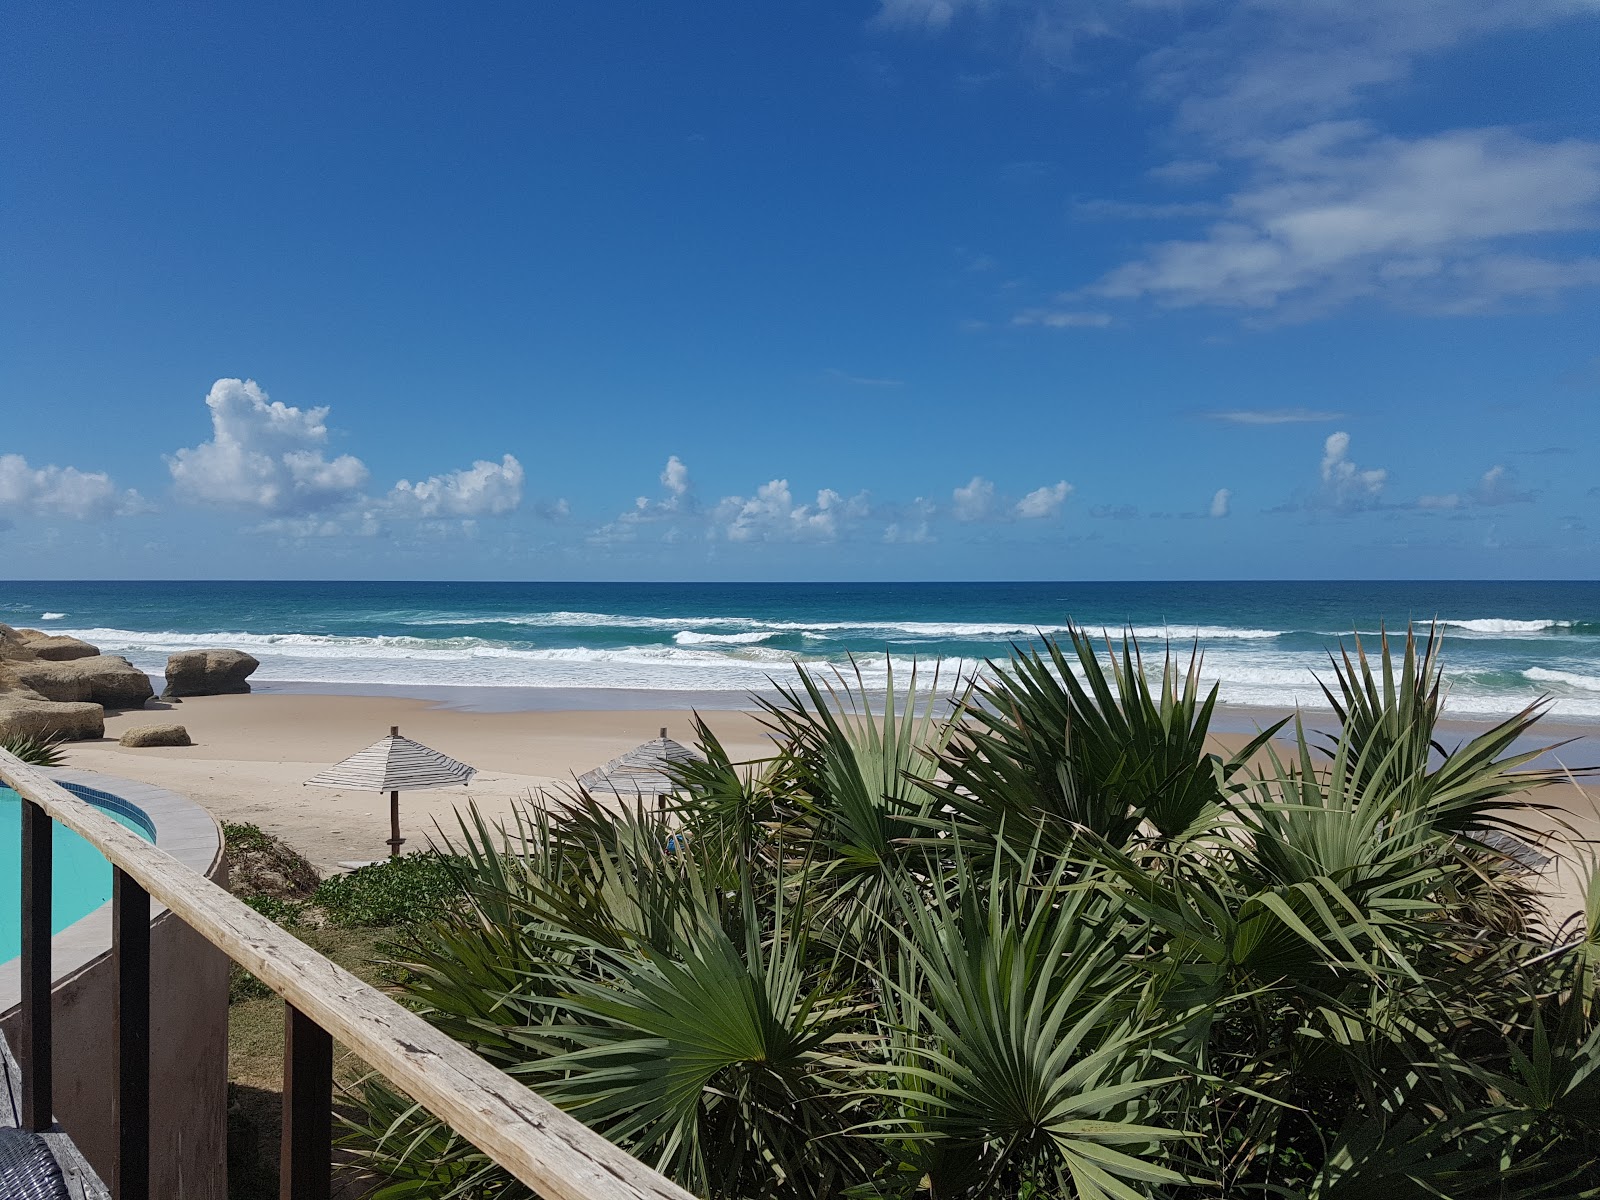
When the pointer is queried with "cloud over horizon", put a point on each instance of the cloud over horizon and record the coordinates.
(264, 455)
(52, 491)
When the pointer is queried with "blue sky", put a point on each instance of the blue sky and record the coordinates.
(899, 290)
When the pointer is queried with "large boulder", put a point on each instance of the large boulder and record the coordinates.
(25, 714)
(105, 679)
(208, 673)
(59, 681)
(13, 645)
(114, 681)
(155, 735)
(55, 648)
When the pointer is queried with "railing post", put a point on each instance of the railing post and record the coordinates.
(130, 947)
(34, 1047)
(305, 1165)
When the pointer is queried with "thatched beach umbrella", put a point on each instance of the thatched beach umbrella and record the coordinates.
(640, 772)
(394, 764)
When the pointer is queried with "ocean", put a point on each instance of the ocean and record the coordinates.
(1505, 644)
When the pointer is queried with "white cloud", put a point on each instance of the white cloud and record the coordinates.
(1336, 211)
(975, 501)
(675, 478)
(772, 515)
(1273, 64)
(929, 15)
(264, 455)
(1499, 487)
(1331, 208)
(483, 489)
(304, 528)
(1062, 319)
(53, 491)
(1344, 483)
(1043, 502)
(1273, 416)
(1184, 171)
(1220, 503)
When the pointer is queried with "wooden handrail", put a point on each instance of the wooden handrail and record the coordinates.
(554, 1153)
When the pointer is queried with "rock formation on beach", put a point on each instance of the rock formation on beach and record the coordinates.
(27, 712)
(53, 686)
(208, 673)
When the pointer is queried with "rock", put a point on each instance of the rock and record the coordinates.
(56, 649)
(208, 673)
(115, 682)
(155, 735)
(60, 681)
(23, 714)
(13, 645)
(105, 679)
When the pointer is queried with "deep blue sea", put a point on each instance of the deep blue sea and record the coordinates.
(1505, 643)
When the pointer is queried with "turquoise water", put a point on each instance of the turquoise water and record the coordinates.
(81, 878)
(1506, 643)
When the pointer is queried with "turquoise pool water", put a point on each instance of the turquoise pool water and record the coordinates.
(81, 881)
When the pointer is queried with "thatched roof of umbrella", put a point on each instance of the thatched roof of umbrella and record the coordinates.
(394, 764)
(642, 771)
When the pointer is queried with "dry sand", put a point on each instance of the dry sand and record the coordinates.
(253, 754)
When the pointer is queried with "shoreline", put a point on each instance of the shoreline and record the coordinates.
(493, 698)
(253, 753)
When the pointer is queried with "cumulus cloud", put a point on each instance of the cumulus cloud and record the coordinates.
(483, 489)
(1043, 502)
(52, 491)
(974, 501)
(1498, 486)
(772, 515)
(1220, 503)
(1345, 484)
(978, 500)
(265, 455)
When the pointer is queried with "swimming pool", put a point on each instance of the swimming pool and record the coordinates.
(81, 879)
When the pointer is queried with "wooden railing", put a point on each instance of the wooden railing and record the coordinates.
(546, 1149)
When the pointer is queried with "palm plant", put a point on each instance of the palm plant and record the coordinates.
(36, 751)
(1043, 940)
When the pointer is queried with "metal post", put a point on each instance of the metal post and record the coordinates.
(33, 1048)
(130, 948)
(305, 1165)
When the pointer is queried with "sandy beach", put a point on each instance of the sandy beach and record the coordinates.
(252, 754)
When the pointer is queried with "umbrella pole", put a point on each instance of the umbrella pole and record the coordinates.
(395, 840)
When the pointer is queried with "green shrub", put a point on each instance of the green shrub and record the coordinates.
(285, 912)
(1056, 949)
(402, 891)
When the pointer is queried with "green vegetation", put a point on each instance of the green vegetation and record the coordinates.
(39, 751)
(401, 891)
(348, 919)
(1050, 945)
